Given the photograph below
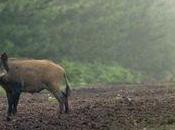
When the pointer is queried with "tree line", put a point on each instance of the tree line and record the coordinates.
(134, 34)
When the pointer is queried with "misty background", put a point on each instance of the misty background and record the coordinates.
(97, 41)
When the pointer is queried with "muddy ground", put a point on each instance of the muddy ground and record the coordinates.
(104, 108)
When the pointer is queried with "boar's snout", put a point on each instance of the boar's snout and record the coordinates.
(3, 71)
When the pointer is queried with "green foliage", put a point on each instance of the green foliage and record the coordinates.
(86, 74)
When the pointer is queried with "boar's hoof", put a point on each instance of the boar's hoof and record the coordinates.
(8, 118)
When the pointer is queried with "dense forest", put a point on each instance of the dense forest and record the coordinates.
(105, 36)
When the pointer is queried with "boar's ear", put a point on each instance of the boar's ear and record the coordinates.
(4, 57)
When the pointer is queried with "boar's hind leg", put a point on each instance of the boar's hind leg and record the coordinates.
(58, 94)
(59, 97)
(66, 104)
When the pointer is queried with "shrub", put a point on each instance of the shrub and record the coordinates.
(81, 74)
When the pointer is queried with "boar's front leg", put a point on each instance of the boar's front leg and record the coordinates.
(13, 95)
(16, 94)
(15, 103)
(10, 105)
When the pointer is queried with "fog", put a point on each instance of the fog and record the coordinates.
(136, 35)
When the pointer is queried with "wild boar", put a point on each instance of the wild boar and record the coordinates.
(29, 75)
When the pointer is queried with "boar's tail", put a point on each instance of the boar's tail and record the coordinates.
(67, 89)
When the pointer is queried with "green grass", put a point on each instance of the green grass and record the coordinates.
(2, 91)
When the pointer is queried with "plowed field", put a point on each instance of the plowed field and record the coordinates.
(102, 108)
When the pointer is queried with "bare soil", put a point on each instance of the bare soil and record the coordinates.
(102, 108)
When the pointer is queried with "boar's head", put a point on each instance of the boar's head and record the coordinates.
(3, 65)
